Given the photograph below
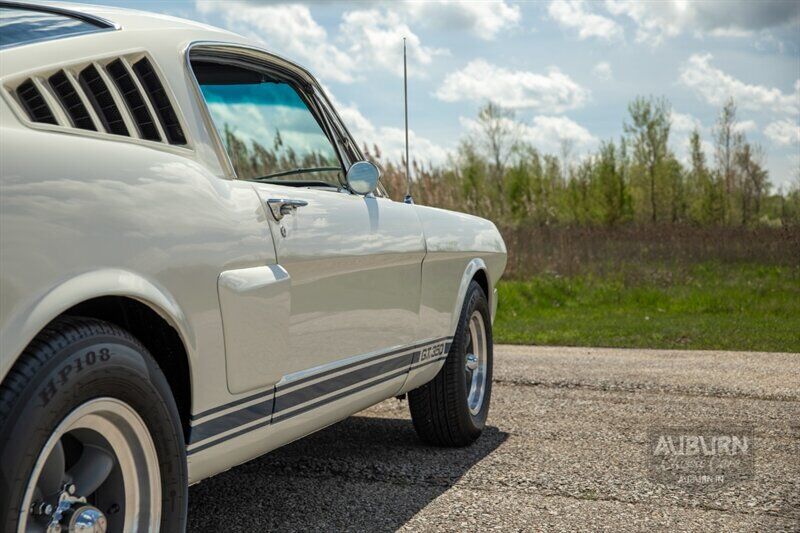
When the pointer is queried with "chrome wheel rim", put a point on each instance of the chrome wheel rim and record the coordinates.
(97, 472)
(476, 362)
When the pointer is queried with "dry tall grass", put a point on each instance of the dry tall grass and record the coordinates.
(643, 250)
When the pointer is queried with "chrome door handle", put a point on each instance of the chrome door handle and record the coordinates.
(284, 206)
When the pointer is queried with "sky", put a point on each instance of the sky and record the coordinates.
(566, 68)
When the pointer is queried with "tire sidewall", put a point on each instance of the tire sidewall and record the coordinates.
(98, 365)
(474, 301)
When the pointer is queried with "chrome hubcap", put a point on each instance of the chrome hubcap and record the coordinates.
(97, 472)
(88, 519)
(72, 513)
(476, 363)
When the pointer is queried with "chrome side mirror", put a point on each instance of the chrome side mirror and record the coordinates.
(362, 177)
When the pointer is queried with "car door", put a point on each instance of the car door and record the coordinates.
(353, 262)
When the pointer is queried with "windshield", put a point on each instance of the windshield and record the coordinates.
(266, 127)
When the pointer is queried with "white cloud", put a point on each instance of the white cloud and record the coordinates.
(374, 38)
(654, 21)
(684, 122)
(715, 87)
(682, 126)
(553, 92)
(545, 132)
(603, 71)
(767, 42)
(734, 33)
(367, 39)
(784, 132)
(483, 19)
(390, 140)
(657, 21)
(743, 126)
(287, 29)
(572, 14)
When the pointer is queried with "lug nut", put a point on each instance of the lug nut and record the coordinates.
(42, 508)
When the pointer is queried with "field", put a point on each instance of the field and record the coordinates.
(649, 290)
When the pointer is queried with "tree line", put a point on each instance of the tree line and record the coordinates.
(636, 179)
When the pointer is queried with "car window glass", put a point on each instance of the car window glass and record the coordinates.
(268, 130)
(348, 145)
(19, 26)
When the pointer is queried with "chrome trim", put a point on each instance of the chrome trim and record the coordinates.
(224, 160)
(476, 364)
(279, 207)
(493, 304)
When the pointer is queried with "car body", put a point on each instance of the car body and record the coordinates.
(266, 324)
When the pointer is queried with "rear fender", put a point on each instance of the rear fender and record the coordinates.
(29, 320)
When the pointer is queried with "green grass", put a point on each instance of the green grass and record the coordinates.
(706, 306)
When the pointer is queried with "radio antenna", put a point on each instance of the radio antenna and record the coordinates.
(408, 199)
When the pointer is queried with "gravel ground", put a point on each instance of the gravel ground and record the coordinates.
(565, 450)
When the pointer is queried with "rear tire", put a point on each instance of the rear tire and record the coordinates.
(86, 406)
(451, 409)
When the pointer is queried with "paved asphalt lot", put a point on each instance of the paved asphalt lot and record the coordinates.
(565, 450)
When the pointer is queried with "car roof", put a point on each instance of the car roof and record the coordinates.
(124, 18)
(131, 28)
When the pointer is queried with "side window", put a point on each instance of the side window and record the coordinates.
(345, 142)
(348, 145)
(267, 128)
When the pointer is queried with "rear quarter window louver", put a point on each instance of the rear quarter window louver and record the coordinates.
(100, 97)
(133, 98)
(71, 102)
(160, 101)
(34, 103)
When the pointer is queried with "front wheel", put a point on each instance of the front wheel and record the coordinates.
(90, 437)
(451, 409)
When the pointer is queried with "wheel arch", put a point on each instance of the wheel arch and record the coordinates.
(477, 270)
(160, 338)
(130, 302)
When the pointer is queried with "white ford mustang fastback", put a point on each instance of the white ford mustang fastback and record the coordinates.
(199, 266)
